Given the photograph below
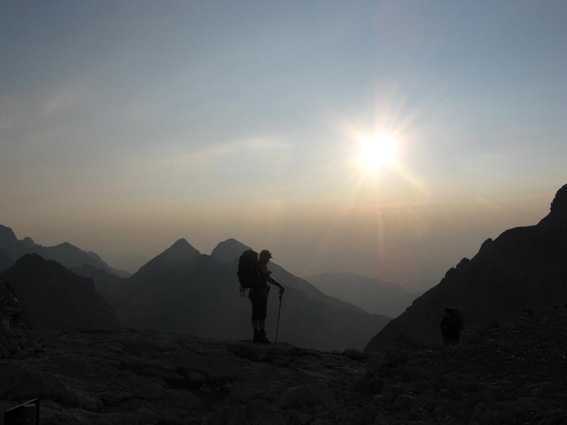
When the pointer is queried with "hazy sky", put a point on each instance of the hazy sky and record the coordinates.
(125, 125)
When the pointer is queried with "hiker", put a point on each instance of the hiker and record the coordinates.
(451, 325)
(254, 276)
(258, 294)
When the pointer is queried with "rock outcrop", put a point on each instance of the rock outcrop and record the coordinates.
(524, 268)
(557, 216)
(14, 341)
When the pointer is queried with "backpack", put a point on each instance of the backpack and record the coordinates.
(455, 318)
(248, 273)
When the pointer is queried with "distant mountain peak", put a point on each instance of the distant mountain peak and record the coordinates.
(557, 216)
(7, 235)
(28, 241)
(34, 261)
(181, 242)
(228, 250)
(179, 250)
(181, 245)
(180, 254)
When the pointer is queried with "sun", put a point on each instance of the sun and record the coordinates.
(378, 151)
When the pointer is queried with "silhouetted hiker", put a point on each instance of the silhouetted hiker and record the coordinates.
(254, 275)
(451, 325)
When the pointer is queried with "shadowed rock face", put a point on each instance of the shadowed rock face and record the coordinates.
(55, 298)
(557, 216)
(524, 268)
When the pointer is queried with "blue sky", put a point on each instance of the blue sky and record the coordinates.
(125, 125)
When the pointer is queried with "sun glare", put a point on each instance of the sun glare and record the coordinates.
(377, 152)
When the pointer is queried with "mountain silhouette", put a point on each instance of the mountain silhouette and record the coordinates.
(524, 268)
(372, 295)
(10, 243)
(228, 251)
(53, 297)
(180, 255)
(66, 254)
(183, 291)
(557, 217)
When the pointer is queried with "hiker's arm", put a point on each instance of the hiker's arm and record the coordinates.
(275, 283)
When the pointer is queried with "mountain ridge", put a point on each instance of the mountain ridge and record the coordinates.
(183, 291)
(65, 253)
(523, 268)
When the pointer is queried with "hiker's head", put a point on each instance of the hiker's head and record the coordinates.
(265, 256)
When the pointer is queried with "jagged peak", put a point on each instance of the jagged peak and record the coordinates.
(181, 245)
(7, 234)
(560, 200)
(557, 216)
(180, 254)
(179, 251)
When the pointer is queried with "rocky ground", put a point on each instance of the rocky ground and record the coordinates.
(503, 375)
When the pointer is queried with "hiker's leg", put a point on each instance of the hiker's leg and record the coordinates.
(256, 330)
(262, 322)
(256, 315)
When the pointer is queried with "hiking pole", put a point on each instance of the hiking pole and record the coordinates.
(278, 325)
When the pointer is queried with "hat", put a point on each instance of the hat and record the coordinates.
(265, 254)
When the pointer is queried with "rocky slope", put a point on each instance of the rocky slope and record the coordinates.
(524, 268)
(500, 376)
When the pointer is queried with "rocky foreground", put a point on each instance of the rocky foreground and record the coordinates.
(497, 376)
